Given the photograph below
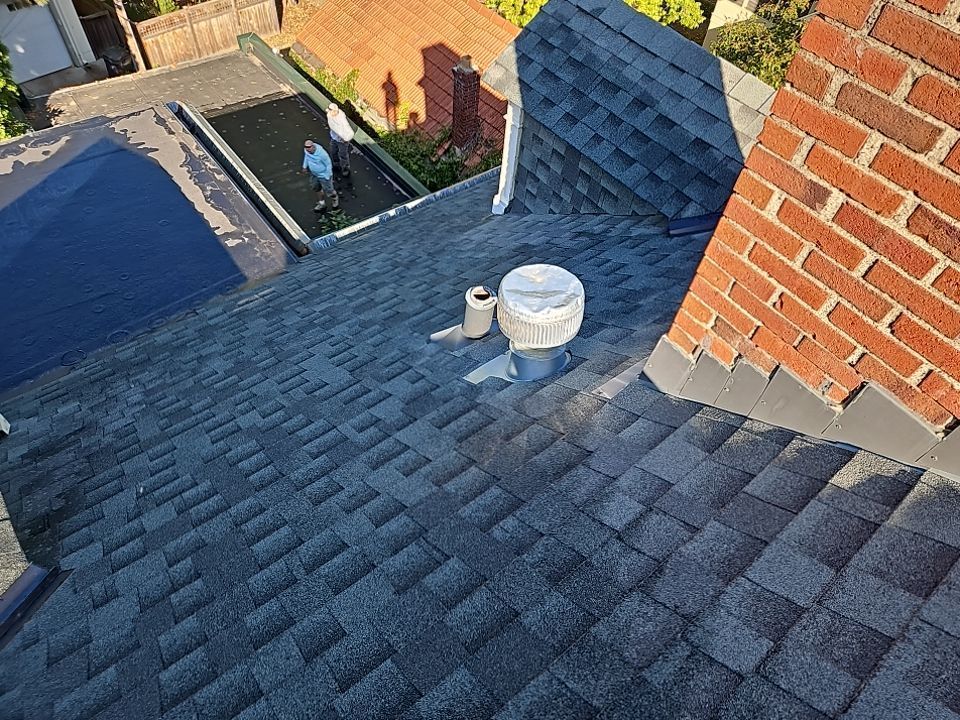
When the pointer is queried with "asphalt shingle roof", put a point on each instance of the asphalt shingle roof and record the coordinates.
(290, 505)
(598, 69)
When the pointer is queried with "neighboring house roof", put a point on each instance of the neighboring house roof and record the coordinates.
(291, 505)
(405, 50)
(635, 97)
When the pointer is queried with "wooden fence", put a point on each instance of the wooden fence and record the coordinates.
(102, 30)
(205, 29)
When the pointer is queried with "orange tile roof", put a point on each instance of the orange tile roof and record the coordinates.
(412, 44)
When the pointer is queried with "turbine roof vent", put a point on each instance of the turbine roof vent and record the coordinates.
(540, 307)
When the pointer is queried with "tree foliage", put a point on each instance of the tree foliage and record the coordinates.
(10, 124)
(519, 12)
(343, 90)
(686, 12)
(140, 10)
(765, 44)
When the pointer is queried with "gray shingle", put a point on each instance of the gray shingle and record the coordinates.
(913, 563)
(929, 509)
(756, 697)
(383, 604)
(509, 661)
(545, 696)
(787, 572)
(870, 601)
(644, 74)
(460, 694)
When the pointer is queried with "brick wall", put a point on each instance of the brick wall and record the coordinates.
(838, 256)
(554, 177)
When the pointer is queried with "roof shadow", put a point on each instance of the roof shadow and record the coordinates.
(437, 84)
(99, 248)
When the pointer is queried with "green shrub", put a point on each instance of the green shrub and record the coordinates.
(10, 123)
(685, 12)
(417, 152)
(420, 153)
(343, 90)
(765, 44)
(166, 6)
(519, 12)
(334, 220)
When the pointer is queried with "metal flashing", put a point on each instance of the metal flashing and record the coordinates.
(788, 403)
(693, 225)
(706, 380)
(743, 388)
(614, 385)
(24, 596)
(668, 368)
(514, 366)
(945, 455)
(399, 211)
(877, 422)
(279, 219)
(453, 339)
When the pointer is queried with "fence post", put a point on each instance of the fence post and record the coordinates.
(236, 17)
(193, 33)
(133, 42)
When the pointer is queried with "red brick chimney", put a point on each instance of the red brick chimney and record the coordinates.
(466, 104)
(838, 256)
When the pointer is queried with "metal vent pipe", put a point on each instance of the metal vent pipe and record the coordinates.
(478, 317)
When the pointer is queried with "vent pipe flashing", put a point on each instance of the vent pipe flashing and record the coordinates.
(481, 301)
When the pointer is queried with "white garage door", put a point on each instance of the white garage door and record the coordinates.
(33, 39)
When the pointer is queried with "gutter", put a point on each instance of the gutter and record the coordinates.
(333, 238)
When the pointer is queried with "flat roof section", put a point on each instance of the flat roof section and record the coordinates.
(205, 85)
(268, 135)
(111, 227)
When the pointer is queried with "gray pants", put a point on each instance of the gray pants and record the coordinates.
(324, 184)
(340, 155)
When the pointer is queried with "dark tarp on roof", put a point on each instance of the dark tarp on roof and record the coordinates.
(637, 98)
(111, 226)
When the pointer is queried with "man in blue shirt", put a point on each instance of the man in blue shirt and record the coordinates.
(317, 163)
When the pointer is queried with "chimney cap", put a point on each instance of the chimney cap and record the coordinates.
(466, 64)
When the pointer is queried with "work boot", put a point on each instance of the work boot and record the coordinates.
(335, 202)
(320, 206)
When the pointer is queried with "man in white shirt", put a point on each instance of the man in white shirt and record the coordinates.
(341, 133)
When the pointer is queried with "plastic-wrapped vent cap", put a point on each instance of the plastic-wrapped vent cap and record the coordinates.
(540, 306)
